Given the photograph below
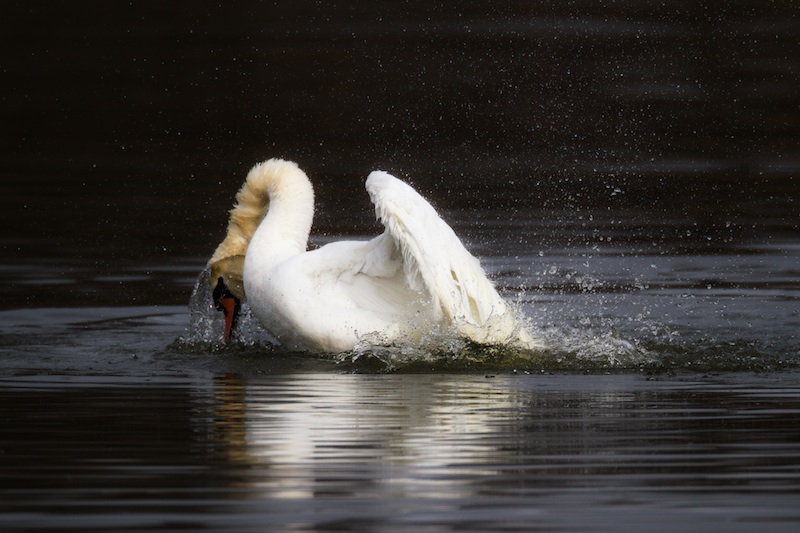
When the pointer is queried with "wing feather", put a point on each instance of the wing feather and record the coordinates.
(434, 259)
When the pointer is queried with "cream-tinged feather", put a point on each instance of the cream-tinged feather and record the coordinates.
(272, 178)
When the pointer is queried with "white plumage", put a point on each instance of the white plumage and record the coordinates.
(413, 279)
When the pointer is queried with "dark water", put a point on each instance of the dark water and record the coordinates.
(332, 452)
(626, 173)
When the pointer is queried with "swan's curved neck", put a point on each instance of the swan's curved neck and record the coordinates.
(271, 220)
(284, 231)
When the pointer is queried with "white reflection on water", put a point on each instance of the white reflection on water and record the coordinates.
(398, 435)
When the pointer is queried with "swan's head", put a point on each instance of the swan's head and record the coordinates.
(226, 280)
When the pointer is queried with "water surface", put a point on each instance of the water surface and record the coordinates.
(321, 452)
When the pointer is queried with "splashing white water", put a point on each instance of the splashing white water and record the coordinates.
(206, 324)
(565, 347)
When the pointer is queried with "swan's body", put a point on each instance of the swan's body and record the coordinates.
(416, 277)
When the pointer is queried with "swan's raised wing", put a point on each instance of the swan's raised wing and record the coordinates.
(434, 260)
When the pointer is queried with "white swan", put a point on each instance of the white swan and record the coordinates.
(416, 277)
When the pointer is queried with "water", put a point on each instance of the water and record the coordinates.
(626, 174)
(327, 451)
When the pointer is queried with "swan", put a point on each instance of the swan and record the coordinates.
(414, 278)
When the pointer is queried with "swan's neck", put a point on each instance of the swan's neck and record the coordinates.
(270, 221)
(284, 231)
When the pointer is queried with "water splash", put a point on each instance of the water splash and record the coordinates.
(206, 324)
(580, 347)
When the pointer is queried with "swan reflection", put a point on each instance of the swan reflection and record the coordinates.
(307, 435)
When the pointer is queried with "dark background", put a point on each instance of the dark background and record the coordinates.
(127, 127)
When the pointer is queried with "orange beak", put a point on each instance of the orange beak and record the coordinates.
(230, 308)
